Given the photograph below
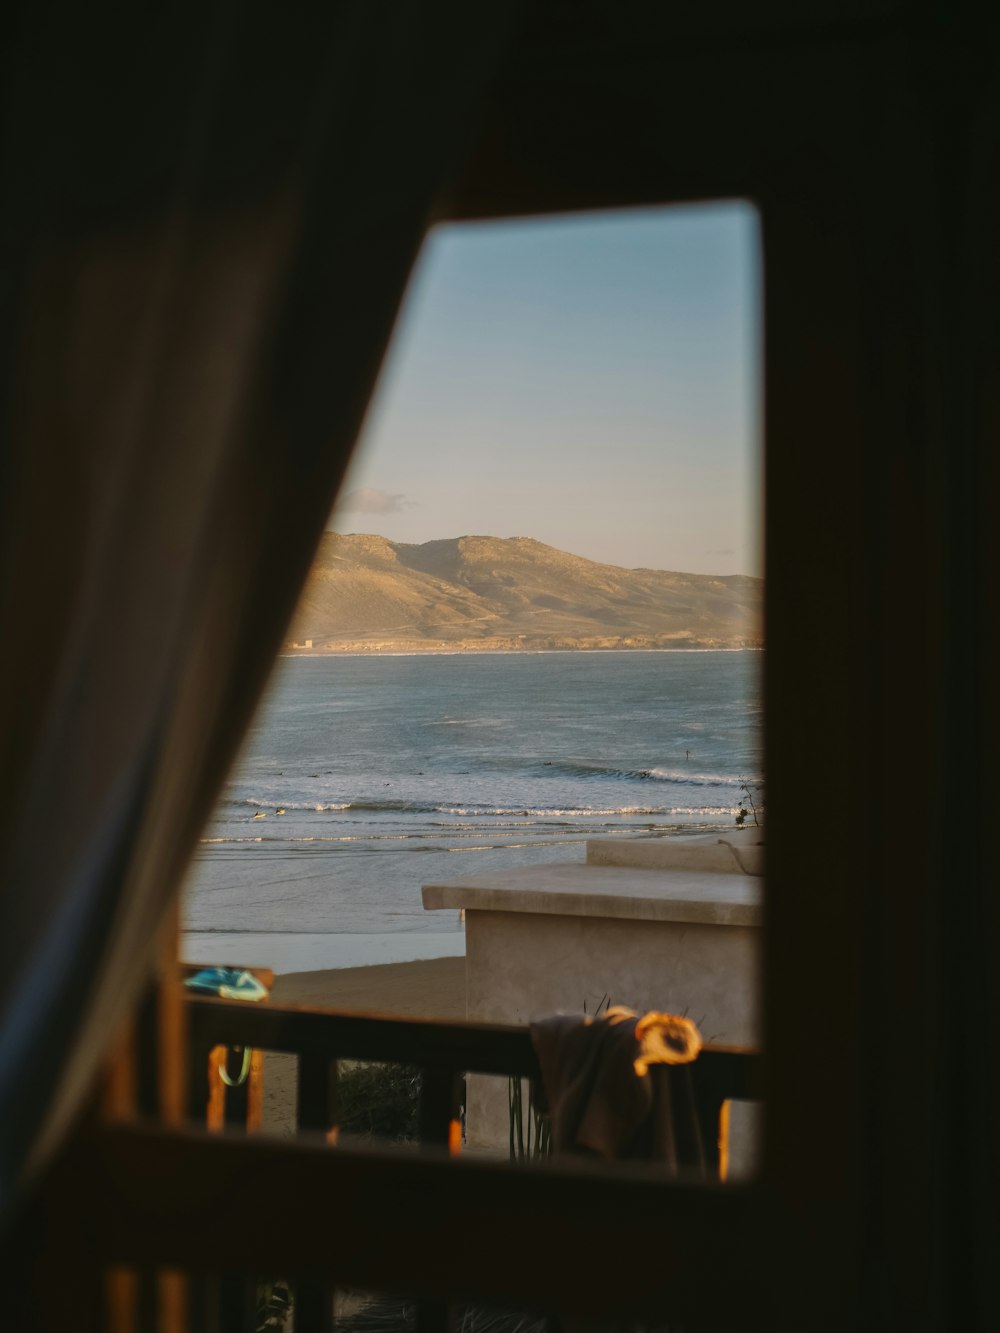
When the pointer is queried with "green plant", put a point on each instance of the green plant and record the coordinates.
(530, 1128)
(379, 1101)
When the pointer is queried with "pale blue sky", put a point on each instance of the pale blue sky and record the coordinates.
(592, 382)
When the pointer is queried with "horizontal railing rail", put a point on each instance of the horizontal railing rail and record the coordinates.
(481, 1048)
(582, 1238)
(472, 1047)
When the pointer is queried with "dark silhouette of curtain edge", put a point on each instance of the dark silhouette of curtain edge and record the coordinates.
(209, 220)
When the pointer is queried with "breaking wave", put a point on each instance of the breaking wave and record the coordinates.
(483, 810)
(682, 777)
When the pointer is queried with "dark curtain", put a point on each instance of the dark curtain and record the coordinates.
(209, 213)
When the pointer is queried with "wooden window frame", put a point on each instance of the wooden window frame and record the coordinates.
(879, 275)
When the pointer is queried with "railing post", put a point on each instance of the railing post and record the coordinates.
(317, 1114)
(149, 1075)
(435, 1317)
(440, 1107)
(227, 1303)
(317, 1096)
(439, 1124)
(718, 1076)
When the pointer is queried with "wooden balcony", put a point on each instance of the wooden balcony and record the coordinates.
(322, 1216)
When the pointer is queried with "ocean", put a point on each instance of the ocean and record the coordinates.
(364, 777)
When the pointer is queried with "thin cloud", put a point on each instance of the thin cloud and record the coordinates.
(368, 500)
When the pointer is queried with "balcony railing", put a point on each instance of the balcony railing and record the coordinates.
(443, 1053)
(158, 1221)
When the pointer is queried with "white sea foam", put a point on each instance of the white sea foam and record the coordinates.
(686, 777)
(473, 722)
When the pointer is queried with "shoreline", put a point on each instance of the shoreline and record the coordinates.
(500, 652)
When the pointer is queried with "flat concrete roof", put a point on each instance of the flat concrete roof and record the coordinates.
(712, 897)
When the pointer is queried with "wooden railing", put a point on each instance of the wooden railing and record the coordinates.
(443, 1053)
(584, 1239)
(145, 1224)
(167, 1227)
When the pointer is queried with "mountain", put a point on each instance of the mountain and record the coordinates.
(366, 593)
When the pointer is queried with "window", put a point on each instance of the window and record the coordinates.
(536, 628)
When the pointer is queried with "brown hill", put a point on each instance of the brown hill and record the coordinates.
(469, 593)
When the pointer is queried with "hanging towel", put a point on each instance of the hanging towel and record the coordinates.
(619, 1086)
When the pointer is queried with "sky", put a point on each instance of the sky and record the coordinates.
(592, 382)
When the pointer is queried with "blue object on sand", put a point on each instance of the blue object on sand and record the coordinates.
(229, 983)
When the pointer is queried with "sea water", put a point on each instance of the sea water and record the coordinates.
(364, 777)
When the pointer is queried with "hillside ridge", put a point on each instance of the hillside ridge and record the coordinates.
(475, 593)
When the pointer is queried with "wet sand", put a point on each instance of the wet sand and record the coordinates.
(429, 988)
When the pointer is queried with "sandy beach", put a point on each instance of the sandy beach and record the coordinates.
(429, 988)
